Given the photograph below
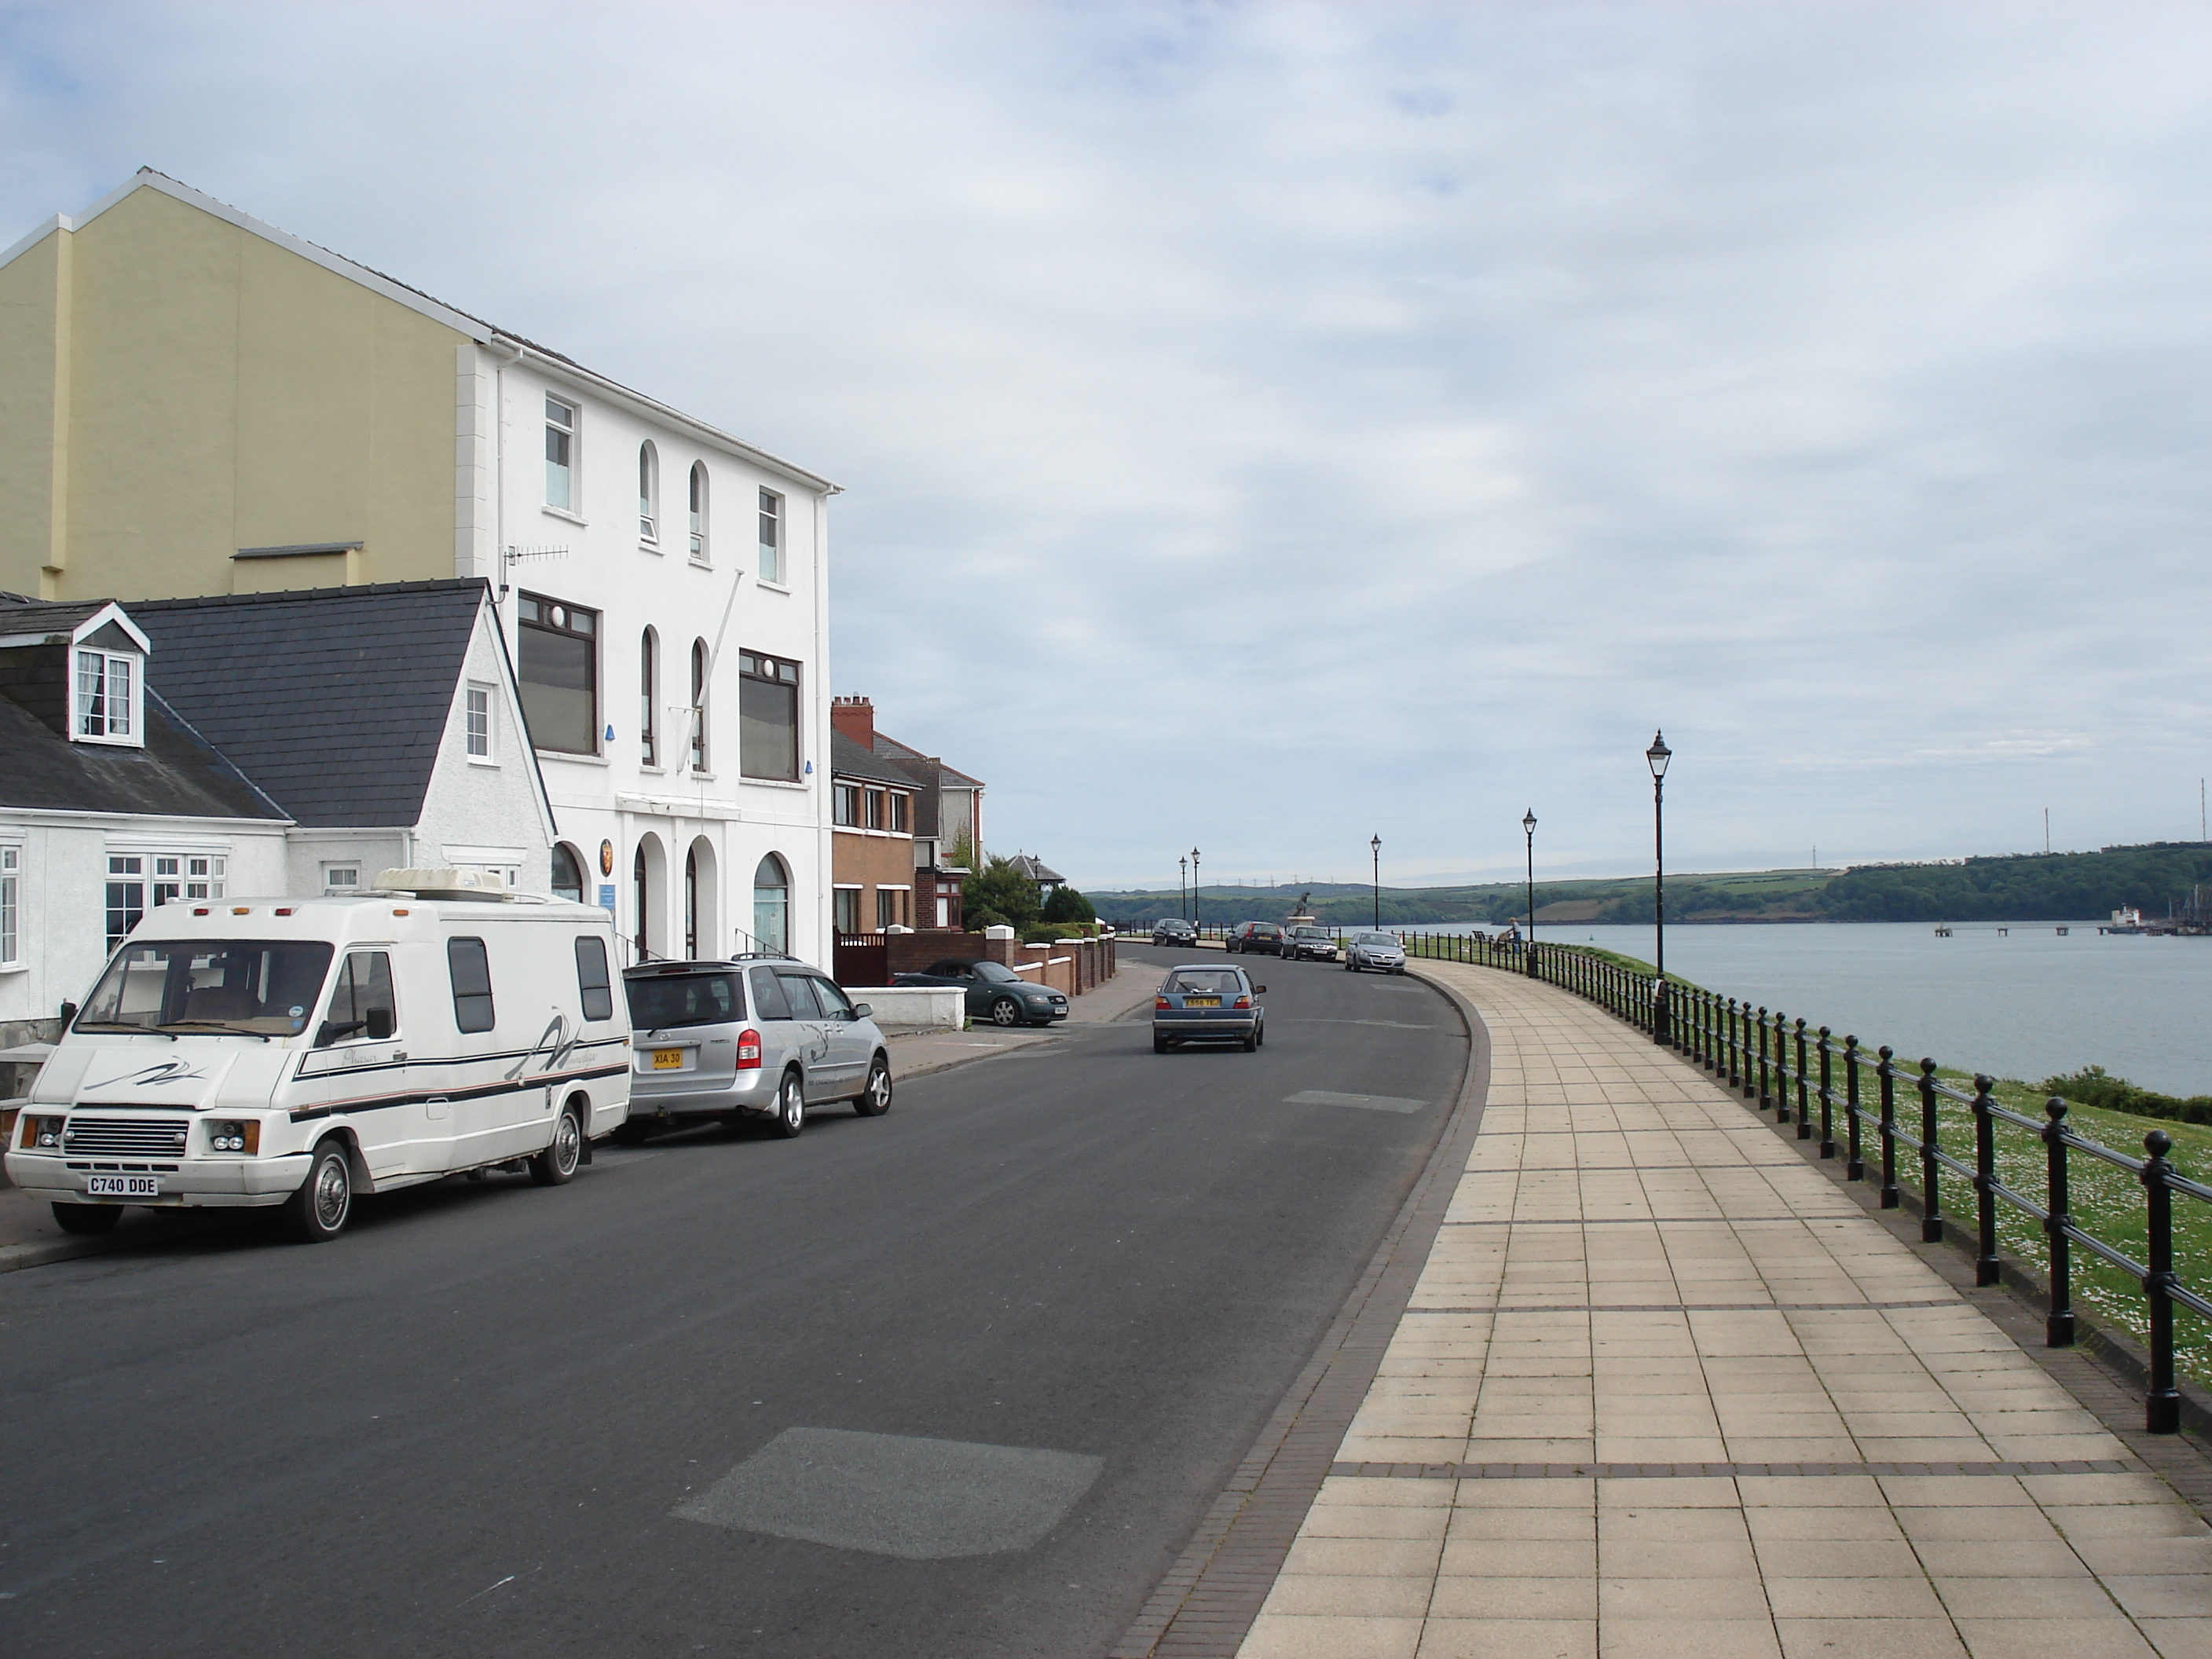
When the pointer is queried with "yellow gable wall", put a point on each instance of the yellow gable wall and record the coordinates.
(225, 392)
(27, 341)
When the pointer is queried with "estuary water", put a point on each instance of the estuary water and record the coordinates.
(2025, 1003)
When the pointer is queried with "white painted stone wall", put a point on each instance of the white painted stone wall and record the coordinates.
(914, 1007)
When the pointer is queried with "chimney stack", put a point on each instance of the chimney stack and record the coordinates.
(856, 718)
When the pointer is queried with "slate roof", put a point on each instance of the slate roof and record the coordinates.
(178, 774)
(334, 700)
(848, 759)
(1035, 869)
(20, 614)
(892, 749)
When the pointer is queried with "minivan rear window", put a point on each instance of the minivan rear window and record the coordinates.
(662, 1002)
(768, 1000)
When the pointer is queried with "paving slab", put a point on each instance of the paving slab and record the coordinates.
(1661, 1387)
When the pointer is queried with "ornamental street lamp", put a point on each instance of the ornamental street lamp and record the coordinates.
(1657, 756)
(1182, 888)
(1374, 846)
(1196, 912)
(1528, 828)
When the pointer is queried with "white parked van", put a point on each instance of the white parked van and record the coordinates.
(297, 1052)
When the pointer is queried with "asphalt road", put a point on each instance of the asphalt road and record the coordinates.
(463, 1428)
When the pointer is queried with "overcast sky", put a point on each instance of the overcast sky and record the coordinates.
(1268, 425)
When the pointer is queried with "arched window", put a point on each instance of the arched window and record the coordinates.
(772, 905)
(648, 492)
(698, 705)
(567, 872)
(691, 905)
(698, 511)
(648, 696)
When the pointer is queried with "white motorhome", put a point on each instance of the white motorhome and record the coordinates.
(297, 1052)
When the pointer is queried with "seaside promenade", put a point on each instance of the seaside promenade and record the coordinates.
(1663, 1389)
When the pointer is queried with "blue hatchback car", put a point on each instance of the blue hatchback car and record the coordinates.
(1208, 1004)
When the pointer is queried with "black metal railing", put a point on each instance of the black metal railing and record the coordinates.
(1782, 1066)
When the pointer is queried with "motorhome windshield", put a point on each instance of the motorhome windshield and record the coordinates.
(662, 1002)
(261, 987)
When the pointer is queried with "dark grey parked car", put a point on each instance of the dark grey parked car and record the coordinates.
(995, 992)
(748, 1042)
(1174, 930)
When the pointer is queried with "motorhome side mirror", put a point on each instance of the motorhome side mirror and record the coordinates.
(380, 1024)
(69, 1015)
(863, 1011)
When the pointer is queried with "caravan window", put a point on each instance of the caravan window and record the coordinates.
(261, 987)
(592, 977)
(362, 1004)
(470, 965)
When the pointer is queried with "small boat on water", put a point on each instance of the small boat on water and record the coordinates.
(2127, 920)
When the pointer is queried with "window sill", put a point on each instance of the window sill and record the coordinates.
(697, 776)
(653, 771)
(564, 754)
(563, 513)
(698, 563)
(773, 783)
(653, 548)
(772, 588)
(15, 967)
(483, 760)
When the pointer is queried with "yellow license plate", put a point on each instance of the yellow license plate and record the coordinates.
(1201, 1002)
(667, 1060)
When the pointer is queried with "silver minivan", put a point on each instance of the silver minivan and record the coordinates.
(748, 1041)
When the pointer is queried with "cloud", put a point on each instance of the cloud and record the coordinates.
(1266, 425)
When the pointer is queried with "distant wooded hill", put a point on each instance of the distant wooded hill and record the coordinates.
(2026, 887)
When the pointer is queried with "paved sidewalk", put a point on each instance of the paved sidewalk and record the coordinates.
(1663, 1389)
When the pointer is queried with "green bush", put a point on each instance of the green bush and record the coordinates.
(1066, 904)
(2090, 1086)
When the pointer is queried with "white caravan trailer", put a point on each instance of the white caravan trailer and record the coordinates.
(297, 1052)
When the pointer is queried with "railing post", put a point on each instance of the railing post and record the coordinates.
(2058, 1324)
(1931, 1206)
(1855, 1159)
(1734, 1047)
(1985, 1176)
(1758, 1088)
(1828, 1063)
(1887, 1074)
(1781, 1100)
(1804, 1079)
(2162, 1408)
(1702, 1006)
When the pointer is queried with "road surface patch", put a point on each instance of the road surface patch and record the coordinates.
(890, 1494)
(1369, 1102)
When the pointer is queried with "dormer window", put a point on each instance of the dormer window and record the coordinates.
(108, 697)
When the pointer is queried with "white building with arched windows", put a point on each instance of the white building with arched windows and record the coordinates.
(199, 403)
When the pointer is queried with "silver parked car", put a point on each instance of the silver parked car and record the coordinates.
(1376, 951)
(749, 1042)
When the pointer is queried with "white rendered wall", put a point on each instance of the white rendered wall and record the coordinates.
(63, 904)
(605, 565)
